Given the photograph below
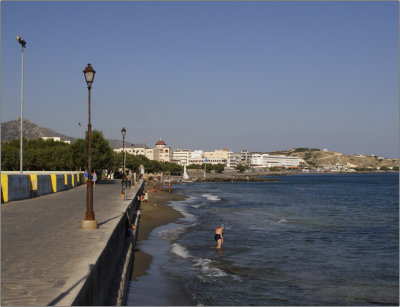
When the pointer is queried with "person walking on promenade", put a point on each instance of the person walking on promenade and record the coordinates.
(94, 178)
(169, 187)
(86, 175)
(218, 235)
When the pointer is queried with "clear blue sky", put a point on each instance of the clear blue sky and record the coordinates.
(260, 76)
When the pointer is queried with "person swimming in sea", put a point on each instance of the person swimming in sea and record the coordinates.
(218, 235)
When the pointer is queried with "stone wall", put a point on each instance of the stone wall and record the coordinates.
(15, 186)
(106, 283)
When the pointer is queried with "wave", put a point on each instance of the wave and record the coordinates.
(180, 250)
(173, 234)
(198, 205)
(211, 197)
(206, 266)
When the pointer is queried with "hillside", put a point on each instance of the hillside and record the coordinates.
(316, 158)
(10, 130)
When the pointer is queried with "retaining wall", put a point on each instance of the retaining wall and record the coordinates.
(106, 283)
(16, 186)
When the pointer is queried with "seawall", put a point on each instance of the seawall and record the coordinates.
(107, 281)
(16, 186)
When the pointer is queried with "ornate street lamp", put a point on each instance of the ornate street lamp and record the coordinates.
(89, 222)
(23, 43)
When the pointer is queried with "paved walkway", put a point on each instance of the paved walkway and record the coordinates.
(45, 255)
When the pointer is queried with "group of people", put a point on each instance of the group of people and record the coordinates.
(94, 177)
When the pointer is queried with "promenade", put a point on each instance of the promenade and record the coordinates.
(46, 256)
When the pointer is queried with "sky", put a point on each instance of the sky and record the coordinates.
(260, 76)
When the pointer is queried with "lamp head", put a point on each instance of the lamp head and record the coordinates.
(123, 132)
(21, 41)
(89, 73)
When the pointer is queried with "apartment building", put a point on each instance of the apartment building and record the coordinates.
(222, 154)
(261, 160)
(182, 155)
(161, 152)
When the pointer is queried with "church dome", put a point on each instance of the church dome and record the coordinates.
(161, 142)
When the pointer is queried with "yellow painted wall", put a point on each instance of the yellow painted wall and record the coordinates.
(33, 180)
(4, 187)
(53, 182)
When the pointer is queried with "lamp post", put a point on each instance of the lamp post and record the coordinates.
(123, 132)
(89, 222)
(23, 43)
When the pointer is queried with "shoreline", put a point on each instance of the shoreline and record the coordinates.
(256, 176)
(156, 212)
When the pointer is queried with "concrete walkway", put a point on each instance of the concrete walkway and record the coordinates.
(45, 255)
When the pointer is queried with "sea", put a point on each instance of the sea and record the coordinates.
(309, 239)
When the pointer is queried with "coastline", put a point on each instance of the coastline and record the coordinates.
(154, 213)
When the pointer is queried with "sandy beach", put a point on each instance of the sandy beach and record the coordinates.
(156, 212)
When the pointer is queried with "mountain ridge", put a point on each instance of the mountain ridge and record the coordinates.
(11, 130)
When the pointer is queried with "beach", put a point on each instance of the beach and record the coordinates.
(154, 213)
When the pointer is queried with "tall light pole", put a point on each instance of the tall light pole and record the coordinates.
(123, 132)
(23, 43)
(89, 222)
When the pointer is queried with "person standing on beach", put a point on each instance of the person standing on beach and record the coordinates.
(218, 235)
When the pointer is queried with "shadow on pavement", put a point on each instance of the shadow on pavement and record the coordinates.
(102, 223)
(62, 295)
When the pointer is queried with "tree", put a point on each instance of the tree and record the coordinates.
(241, 168)
(10, 155)
(79, 154)
(219, 168)
(101, 151)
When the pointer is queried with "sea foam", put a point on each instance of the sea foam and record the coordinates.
(206, 266)
(211, 197)
(180, 250)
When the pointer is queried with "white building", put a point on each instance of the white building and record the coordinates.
(55, 139)
(257, 160)
(197, 154)
(182, 155)
(260, 160)
(245, 157)
(128, 150)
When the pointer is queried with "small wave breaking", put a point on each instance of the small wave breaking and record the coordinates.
(211, 197)
(206, 266)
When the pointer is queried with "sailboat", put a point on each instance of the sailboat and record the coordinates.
(185, 175)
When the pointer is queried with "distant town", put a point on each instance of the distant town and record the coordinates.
(259, 160)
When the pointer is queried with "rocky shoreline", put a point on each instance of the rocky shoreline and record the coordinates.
(259, 176)
(234, 179)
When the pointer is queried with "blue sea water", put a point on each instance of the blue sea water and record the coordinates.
(327, 239)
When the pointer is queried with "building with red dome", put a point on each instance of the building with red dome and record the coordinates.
(162, 152)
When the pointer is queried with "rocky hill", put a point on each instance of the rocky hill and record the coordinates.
(317, 158)
(11, 130)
